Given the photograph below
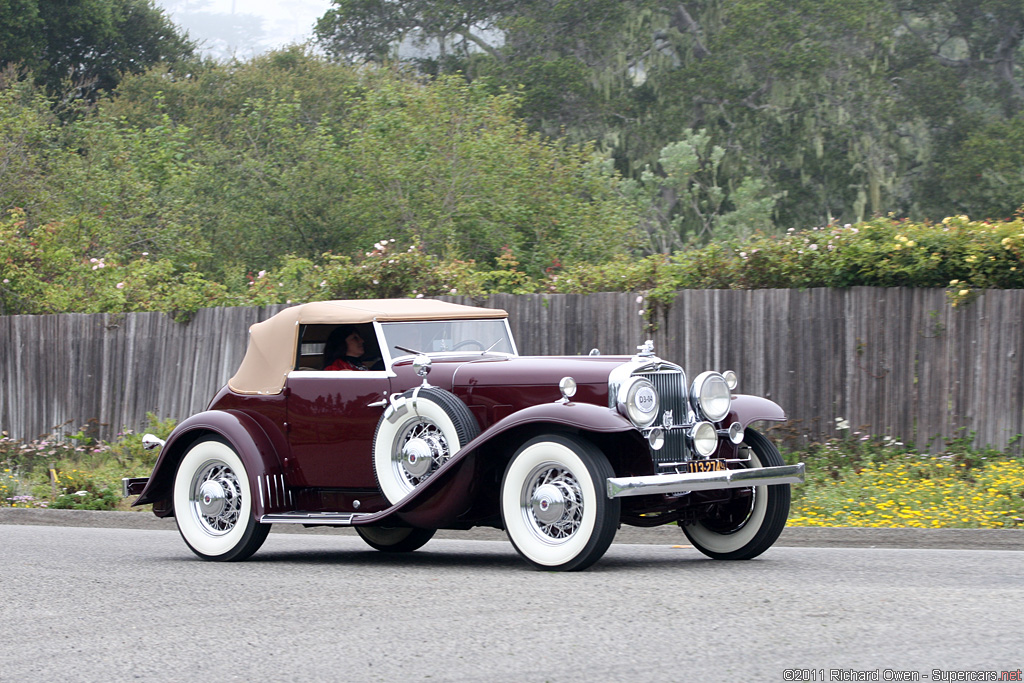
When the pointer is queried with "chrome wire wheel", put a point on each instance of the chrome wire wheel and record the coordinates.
(552, 502)
(216, 498)
(213, 503)
(421, 448)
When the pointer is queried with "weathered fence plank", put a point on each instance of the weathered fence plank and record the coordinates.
(896, 362)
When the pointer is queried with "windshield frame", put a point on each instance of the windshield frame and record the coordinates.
(392, 354)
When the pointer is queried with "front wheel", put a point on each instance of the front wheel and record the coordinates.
(747, 525)
(554, 505)
(395, 539)
(213, 504)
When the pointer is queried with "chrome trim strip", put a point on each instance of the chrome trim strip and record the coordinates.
(259, 485)
(619, 487)
(299, 517)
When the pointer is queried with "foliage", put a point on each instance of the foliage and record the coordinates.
(81, 47)
(865, 481)
(75, 472)
(291, 155)
(842, 110)
(80, 492)
(687, 203)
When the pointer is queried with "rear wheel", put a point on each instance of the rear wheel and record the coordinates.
(213, 504)
(747, 525)
(554, 505)
(395, 539)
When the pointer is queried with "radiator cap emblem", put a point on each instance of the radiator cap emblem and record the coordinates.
(646, 350)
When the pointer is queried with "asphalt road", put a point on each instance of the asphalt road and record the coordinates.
(98, 604)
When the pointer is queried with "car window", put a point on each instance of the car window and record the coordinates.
(405, 338)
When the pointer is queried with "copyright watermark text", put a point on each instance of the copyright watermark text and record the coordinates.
(845, 675)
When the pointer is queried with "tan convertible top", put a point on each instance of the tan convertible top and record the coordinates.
(271, 351)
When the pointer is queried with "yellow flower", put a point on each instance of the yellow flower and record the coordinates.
(971, 259)
(964, 292)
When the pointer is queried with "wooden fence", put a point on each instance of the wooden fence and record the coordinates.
(891, 362)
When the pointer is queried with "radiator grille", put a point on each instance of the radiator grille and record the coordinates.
(671, 387)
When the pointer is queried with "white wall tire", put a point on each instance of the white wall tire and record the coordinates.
(213, 503)
(420, 431)
(554, 503)
(748, 528)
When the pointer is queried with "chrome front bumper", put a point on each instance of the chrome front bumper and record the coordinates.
(619, 487)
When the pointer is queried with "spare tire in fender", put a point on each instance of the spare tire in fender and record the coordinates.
(419, 432)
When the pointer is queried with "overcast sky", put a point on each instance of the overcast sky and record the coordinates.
(243, 28)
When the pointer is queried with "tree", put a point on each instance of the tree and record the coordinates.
(848, 109)
(81, 47)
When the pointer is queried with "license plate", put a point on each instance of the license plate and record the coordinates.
(705, 466)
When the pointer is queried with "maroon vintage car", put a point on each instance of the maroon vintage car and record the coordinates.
(401, 417)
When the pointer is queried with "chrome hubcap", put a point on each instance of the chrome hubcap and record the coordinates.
(419, 451)
(212, 498)
(552, 502)
(216, 498)
(548, 502)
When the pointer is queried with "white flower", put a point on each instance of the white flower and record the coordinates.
(120, 285)
(6, 281)
(813, 247)
(640, 299)
(842, 424)
(262, 273)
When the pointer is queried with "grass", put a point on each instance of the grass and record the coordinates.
(856, 480)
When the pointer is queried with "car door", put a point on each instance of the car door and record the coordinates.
(332, 417)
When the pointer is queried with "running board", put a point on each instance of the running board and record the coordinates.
(312, 518)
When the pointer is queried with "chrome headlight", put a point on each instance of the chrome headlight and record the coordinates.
(638, 400)
(711, 396)
(705, 438)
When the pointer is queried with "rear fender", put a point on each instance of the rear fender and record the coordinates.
(241, 432)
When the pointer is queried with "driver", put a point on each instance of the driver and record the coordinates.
(344, 349)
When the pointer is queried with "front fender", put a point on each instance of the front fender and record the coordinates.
(254, 447)
(747, 409)
(447, 493)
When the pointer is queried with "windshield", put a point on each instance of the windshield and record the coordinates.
(467, 336)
